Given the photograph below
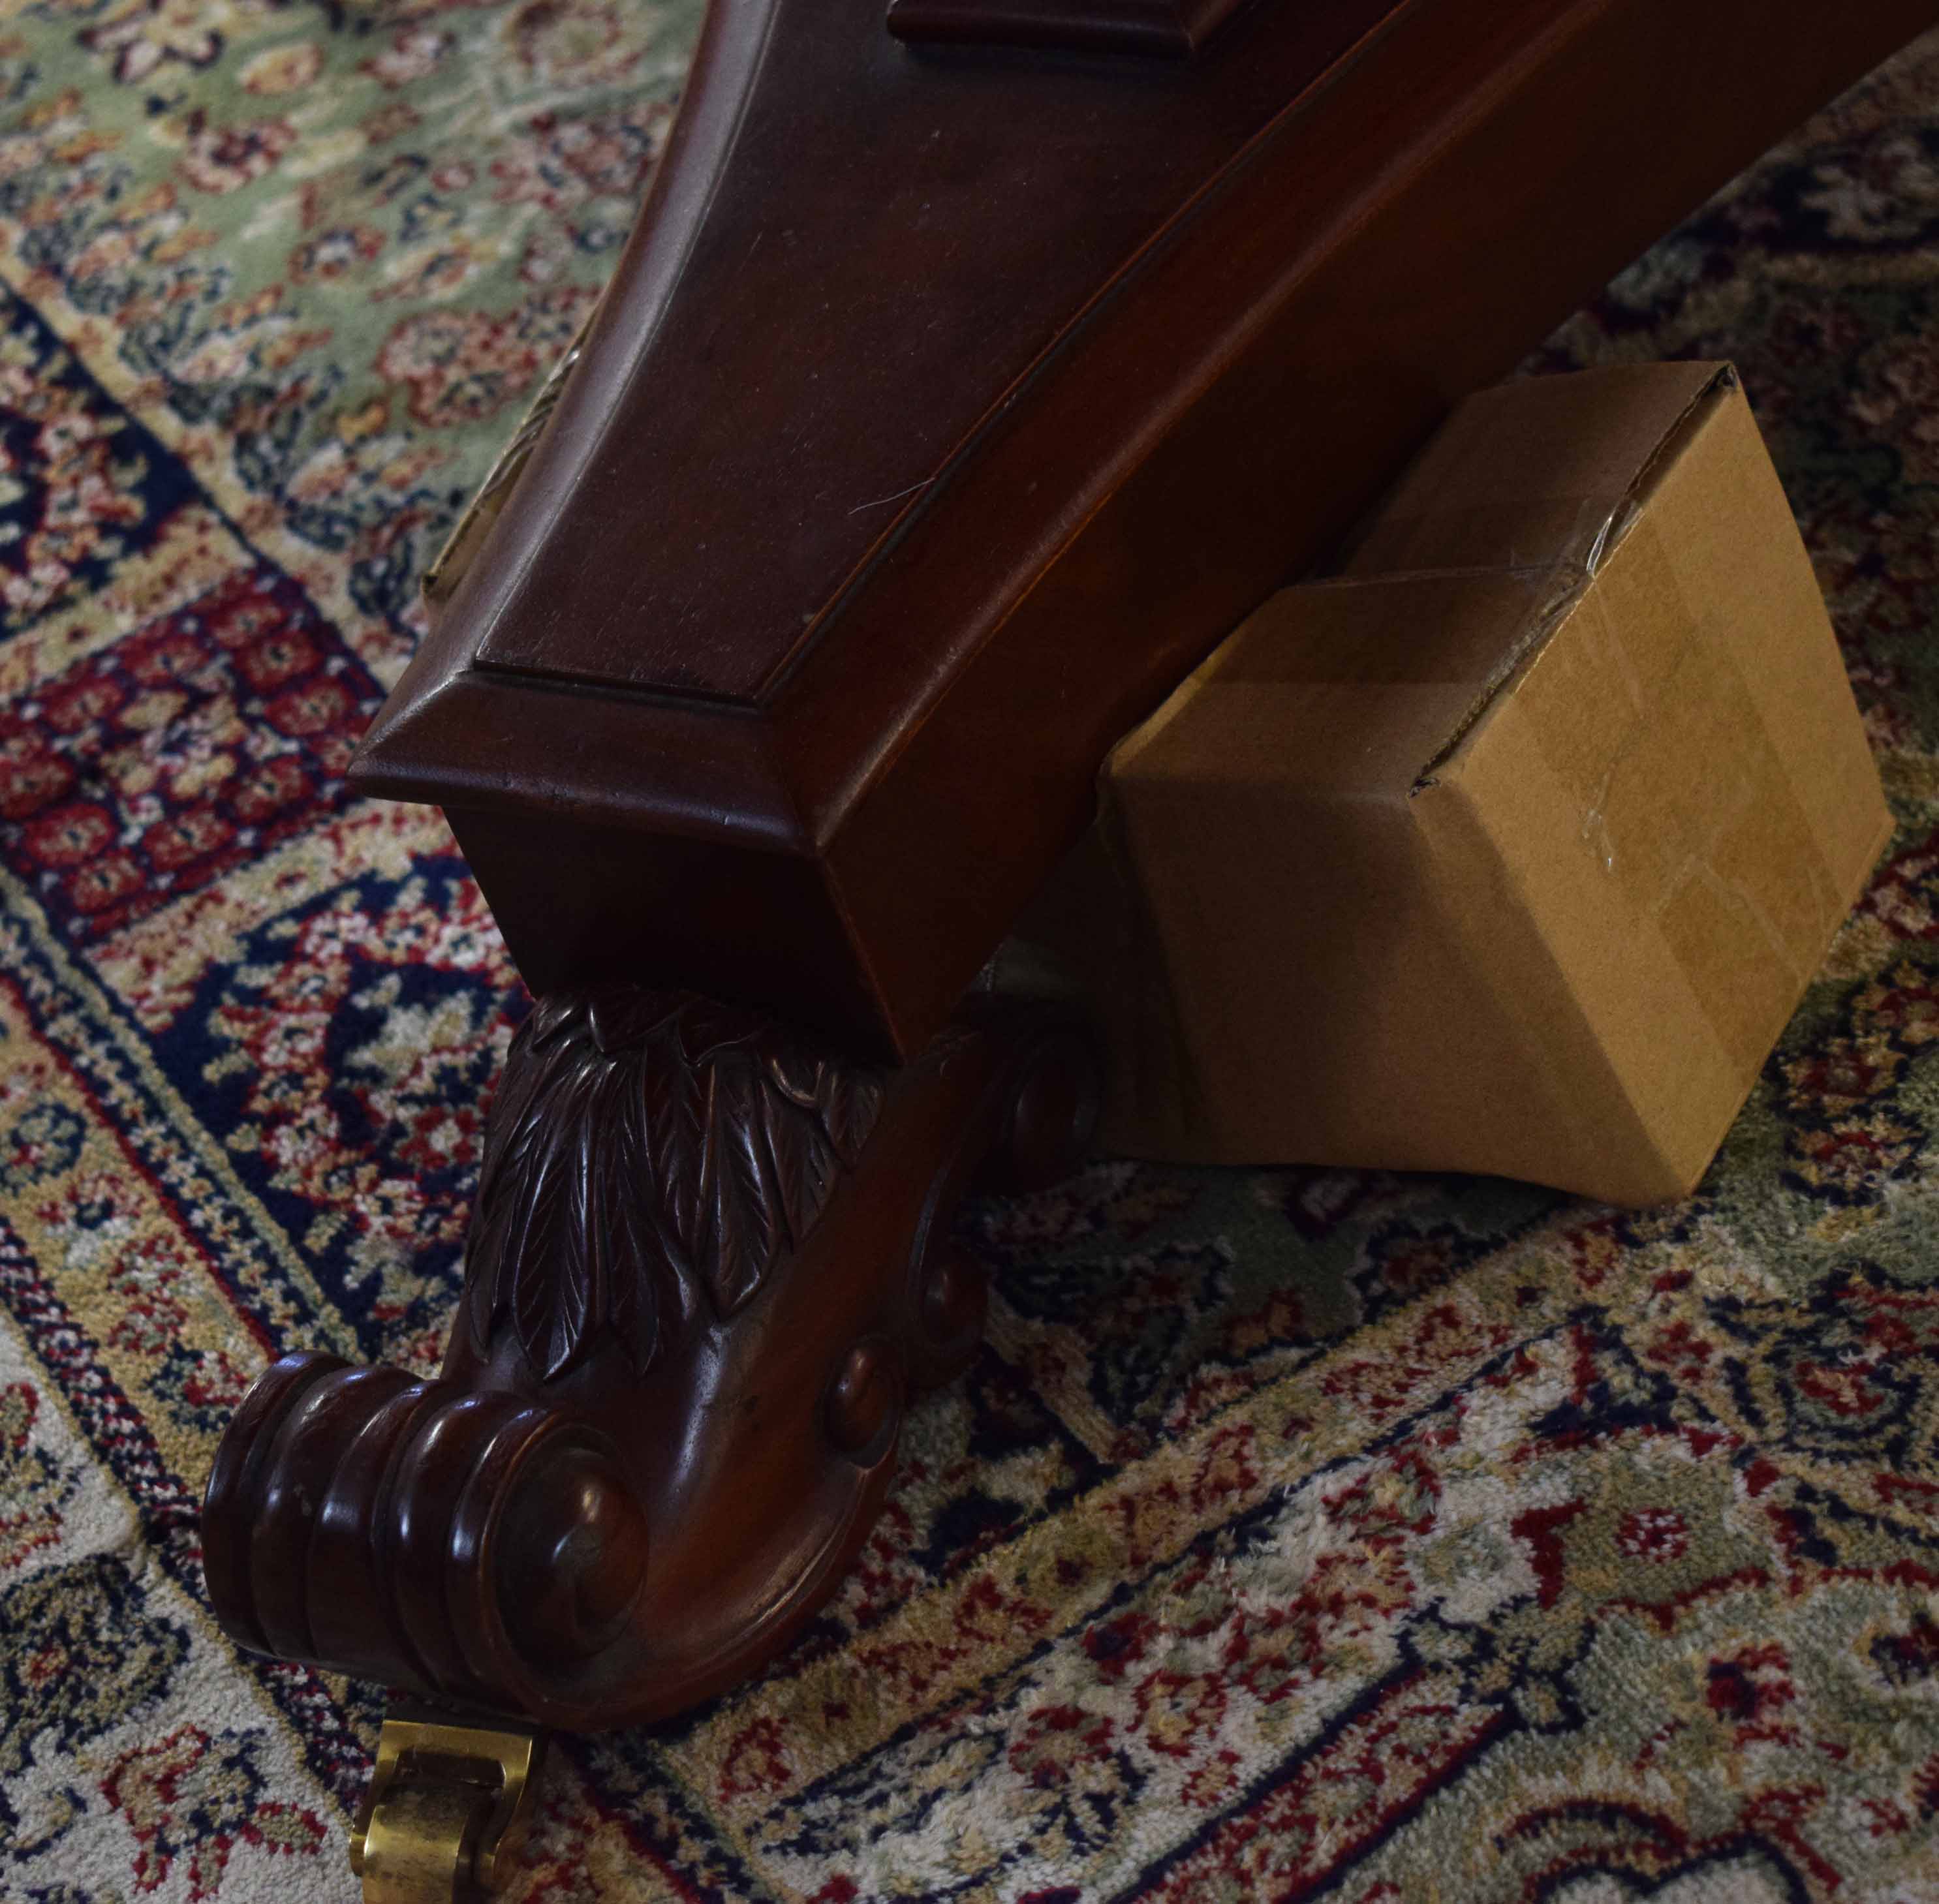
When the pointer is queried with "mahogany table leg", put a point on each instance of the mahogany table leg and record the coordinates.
(710, 1262)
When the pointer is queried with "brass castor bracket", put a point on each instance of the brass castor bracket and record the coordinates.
(447, 1810)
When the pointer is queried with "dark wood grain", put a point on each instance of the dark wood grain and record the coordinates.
(1162, 30)
(709, 1265)
(949, 406)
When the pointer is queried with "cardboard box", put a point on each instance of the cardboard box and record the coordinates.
(1510, 849)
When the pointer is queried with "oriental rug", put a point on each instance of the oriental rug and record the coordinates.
(1297, 1534)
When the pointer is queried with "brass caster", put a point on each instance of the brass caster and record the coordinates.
(448, 1807)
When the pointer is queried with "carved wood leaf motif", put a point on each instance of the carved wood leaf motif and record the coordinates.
(650, 1153)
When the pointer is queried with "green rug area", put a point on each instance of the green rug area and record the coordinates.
(1297, 1534)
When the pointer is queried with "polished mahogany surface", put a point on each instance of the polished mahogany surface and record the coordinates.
(710, 1263)
(1161, 29)
(860, 290)
(951, 402)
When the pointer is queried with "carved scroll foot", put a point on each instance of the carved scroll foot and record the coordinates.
(710, 1263)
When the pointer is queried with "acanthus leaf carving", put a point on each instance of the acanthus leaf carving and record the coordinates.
(674, 1113)
(651, 1153)
(849, 1103)
(740, 1206)
(804, 1170)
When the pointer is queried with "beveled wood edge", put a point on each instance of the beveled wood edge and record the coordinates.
(421, 745)
(1244, 245)
(1163, 29)
(725, 67)
(592, 743)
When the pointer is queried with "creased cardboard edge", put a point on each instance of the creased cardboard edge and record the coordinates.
(1573, 575)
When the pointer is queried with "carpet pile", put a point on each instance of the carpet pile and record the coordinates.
(1296, 1533)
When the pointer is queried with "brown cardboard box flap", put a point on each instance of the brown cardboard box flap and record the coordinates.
(1506, 484)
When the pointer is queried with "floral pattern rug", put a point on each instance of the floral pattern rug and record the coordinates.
(1297, 1534)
